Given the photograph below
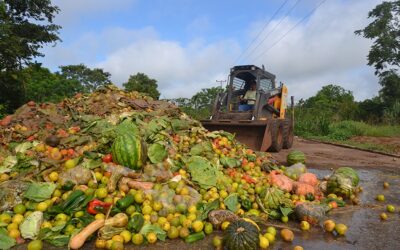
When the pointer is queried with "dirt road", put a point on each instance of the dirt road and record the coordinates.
(325, 156)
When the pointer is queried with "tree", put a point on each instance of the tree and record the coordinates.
(385, 31)
(44, 86)
(333, 101)
(90, 79)
(384, 54)
(25, 27)
(390, 91)
(205, 98)
(142, 83)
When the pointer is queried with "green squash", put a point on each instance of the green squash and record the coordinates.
(241, 235)
(129, 151)
(294, 157)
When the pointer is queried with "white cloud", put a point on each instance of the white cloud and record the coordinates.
(322, 50)
(180, 70)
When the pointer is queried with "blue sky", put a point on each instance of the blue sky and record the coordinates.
(186, 45)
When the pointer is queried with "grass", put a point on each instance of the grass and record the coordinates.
(342, 132)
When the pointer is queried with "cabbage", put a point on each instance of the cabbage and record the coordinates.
(30, 227)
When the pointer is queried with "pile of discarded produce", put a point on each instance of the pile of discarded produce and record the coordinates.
(119, 167)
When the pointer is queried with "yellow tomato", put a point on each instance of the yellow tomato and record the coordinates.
(18, 218)
(14, 233)
(42, 206)
(99, 216)
(126, 235)
(118, 238)
(53, 176)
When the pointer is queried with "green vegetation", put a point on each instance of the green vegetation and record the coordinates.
(142, 83)
(199, 106)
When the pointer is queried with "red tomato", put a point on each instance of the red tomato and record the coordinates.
(107, 158)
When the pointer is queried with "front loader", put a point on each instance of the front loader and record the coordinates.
(266, 126)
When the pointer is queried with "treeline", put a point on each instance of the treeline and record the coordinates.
(328, 113)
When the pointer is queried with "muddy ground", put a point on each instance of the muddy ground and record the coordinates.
(365, 229)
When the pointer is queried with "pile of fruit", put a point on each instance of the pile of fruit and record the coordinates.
(120, 167)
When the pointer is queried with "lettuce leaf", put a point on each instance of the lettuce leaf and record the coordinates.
(6, 242)
(157, 152)
(40, 191)
(231, 202)
(202, 172)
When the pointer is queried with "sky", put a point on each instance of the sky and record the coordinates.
(187, 45)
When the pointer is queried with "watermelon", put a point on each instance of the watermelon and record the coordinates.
(129, 151)
(295, 157)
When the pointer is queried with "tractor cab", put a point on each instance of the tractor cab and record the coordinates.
(247, 81)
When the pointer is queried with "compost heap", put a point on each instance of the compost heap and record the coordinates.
(121, 165)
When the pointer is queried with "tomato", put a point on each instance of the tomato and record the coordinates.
(35, 245)
(107, 158)
(70, 164)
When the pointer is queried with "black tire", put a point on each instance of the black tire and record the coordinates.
(276, 136)
(288, 134)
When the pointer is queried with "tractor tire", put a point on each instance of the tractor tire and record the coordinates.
(276, 136)
(288, 134)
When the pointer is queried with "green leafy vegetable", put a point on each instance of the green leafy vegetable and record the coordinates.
(202, 172)
(53, 235)
(149, 228)
(201, 148)
(230, 162)
(232, 201)
(6, 242)
(40, 191)
(22, 147)
(286, 210)
(205, 208)
(157, 153)
(178, 124)
(30, 227)
(8, 163)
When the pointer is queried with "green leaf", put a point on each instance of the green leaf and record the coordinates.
(53, 235)
(178, 124)
(157, 153)
(22, 147)
(202, 172)
(201, 148)
(286, 210)
(6, 242)
(230, 162)
(149, 228)
(91, 164)
(8, 163)
(231, 202)
(40, 191)
(205, 208)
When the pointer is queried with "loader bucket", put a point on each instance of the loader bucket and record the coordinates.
(255, 134)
